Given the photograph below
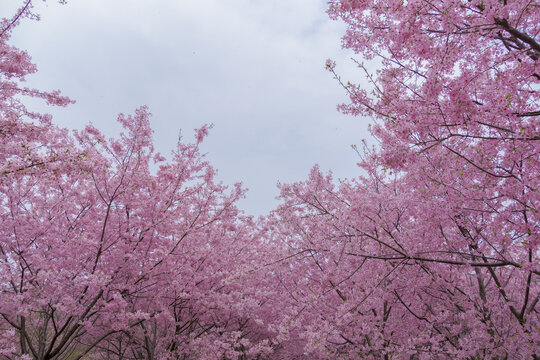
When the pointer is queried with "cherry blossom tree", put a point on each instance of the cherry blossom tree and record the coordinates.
(433, 254)
(102, 250)
(110, 250)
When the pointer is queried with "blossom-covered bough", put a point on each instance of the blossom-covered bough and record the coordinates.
(435, 253)
(110, 251)
(107, 249)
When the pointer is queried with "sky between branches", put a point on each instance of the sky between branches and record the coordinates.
(253, 68)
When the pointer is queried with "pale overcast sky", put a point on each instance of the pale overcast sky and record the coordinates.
(253, 68)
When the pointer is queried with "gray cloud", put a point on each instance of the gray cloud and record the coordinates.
(253, 68)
